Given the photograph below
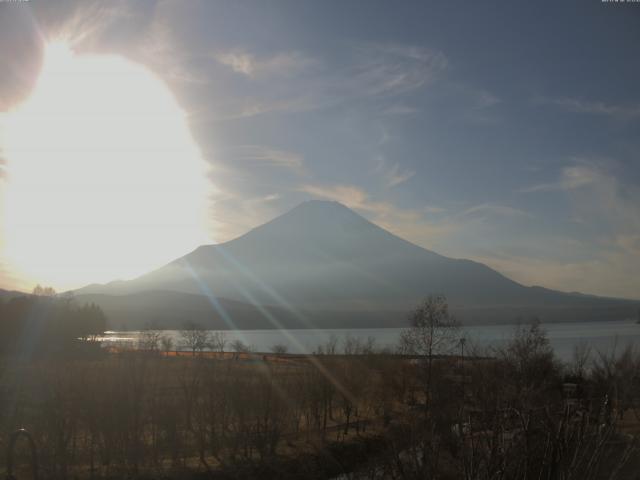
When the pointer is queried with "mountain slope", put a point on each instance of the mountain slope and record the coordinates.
(323, 257)
(171, 310)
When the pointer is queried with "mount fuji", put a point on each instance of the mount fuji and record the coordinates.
(322, 265)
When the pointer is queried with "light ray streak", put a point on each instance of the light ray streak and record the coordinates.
(276, 323)
(266, 288)
(312, 358)
(206, 291)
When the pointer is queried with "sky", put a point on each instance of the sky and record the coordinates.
(503, 132)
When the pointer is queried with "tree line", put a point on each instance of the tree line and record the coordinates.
(44, 323)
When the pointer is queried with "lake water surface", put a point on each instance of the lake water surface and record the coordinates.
(601, 336)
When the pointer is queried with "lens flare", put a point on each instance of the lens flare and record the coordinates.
(104, 180)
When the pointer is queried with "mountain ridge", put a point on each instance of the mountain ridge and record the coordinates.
(322, 256)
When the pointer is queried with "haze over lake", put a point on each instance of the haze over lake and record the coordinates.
(600, 336)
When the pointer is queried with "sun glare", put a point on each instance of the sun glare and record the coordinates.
(104, 180)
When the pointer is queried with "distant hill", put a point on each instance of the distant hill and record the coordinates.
(8, 294)
(168, 310)
(321, 264)
(171, 310)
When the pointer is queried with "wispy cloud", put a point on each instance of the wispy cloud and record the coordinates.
(348, 195)
(163, 49)
(421, 225)
(271, 157)
(399, 109)
(283, 63)
(571, 178)
(272, 197)
(392, 69)
(431, 209)
(494, 209)
(617, 111)
(307, 83)
(393, 175)
(606, 272)
(239, 62)
(484, 99)
(561, 275)
(410, 223)
(252, 182)
(609, 208)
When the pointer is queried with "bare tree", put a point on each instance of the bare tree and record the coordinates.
(528, 363)
(239, 346)
(167, 343)
(149, 340)
(279, 348)
(218, 341)
(357, 346)
(330, 347)
(433, 331)
(580, 358)
(195, 338)
(40, 291)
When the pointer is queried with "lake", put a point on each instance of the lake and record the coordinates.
(601, 336)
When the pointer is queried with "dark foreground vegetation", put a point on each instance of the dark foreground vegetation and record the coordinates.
(435, 408)
(44, 324)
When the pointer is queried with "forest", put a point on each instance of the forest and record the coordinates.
(45, 324)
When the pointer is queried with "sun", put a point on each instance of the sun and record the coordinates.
(103, 178)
